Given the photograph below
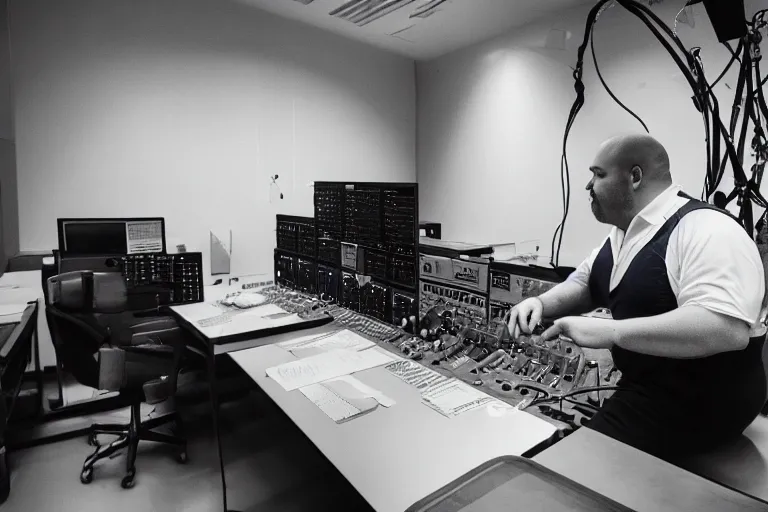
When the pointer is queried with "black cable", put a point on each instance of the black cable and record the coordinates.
(760, 95)
(582, 404)
(704, 97)
(567, 206)
(734, 53)
(732, 154)
(670, 33)
(734, 58)
(575, 108)
(608, 89)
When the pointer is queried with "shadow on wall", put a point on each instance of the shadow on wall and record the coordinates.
(226, 28)
(3, 256)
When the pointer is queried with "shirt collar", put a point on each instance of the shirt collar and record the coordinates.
(656, 211)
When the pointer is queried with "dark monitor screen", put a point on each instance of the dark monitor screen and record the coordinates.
(111, 236)
(95, 238)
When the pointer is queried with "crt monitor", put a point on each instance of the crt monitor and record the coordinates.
(84, 237)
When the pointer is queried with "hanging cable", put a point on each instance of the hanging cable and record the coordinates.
(608, 89)
(734, 58)
(717, 134)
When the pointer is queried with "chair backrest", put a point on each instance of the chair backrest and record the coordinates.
(74, 300)
(88, 292)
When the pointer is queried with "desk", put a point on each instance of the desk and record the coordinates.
(741, 464)
(240, 331)
(26, 286)
(394, 457)
(242, 325)
(638, 480)
(375, 452)
(15, 352)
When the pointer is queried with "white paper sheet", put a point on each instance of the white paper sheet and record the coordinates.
(238, 321)
(416, 375)
(322, 367)
(144, 236)
(12, 310)
(364, 389)
(339, 340)
(303, 340)
(454, 397)
(334, 406)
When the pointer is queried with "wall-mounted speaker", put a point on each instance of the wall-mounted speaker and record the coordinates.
(727, 17)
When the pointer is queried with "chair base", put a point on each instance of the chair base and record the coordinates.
(128, 437)
(100, 404)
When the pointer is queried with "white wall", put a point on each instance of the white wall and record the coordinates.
(6, 109)
(8, 186)
(491, 121)
(184, 108)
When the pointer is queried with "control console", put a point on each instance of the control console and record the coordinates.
(162, 279)
(457, 285)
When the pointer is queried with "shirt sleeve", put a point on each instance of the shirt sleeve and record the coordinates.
(719, 267)
(581, 275)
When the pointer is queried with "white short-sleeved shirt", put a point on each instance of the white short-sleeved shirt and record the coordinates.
(711, 261)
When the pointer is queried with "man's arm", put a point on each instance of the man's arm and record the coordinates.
(567, 298)
(683, 333)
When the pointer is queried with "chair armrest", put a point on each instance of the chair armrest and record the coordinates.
(158, 390)
(160, 331)
(151, 349)
(163, 322)
(129, 368)
(147, 313)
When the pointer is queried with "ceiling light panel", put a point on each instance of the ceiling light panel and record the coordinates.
(363, 12)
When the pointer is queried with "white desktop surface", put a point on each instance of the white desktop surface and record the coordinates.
(12, 313)
(638, 480)
(396, 456)
(26, 286)
(242, 321)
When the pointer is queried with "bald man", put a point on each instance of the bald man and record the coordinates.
(685, 285)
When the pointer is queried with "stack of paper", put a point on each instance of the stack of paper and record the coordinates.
(316, 344)
(454, 397)
(415, 374)
(448, 396)
(345, 398)
(325, 366)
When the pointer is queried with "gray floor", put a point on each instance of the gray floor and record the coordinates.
(270, 465)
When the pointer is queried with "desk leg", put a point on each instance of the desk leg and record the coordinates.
(38, 374)
(5, 475)
(215, 404)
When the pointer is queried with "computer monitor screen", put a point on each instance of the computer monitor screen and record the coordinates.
(111, 236)
(95, 238)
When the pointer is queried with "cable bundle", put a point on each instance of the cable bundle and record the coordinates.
(746, 191)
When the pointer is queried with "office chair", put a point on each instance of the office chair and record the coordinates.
(58, 408)
(142, 363)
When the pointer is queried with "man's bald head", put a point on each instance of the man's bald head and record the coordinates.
(626, 152)
(629, 171)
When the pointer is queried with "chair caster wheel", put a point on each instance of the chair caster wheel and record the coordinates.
(182, 457)
(86, 476)
(128, 481)
(93, 439)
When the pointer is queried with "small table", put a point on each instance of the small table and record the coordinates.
(246, 328)
(638, 480)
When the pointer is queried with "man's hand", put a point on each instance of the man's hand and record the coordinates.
(525, 316)
(584, 331)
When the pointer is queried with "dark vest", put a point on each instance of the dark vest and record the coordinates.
(669, 387)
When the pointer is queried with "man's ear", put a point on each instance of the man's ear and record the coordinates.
(637, 176)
